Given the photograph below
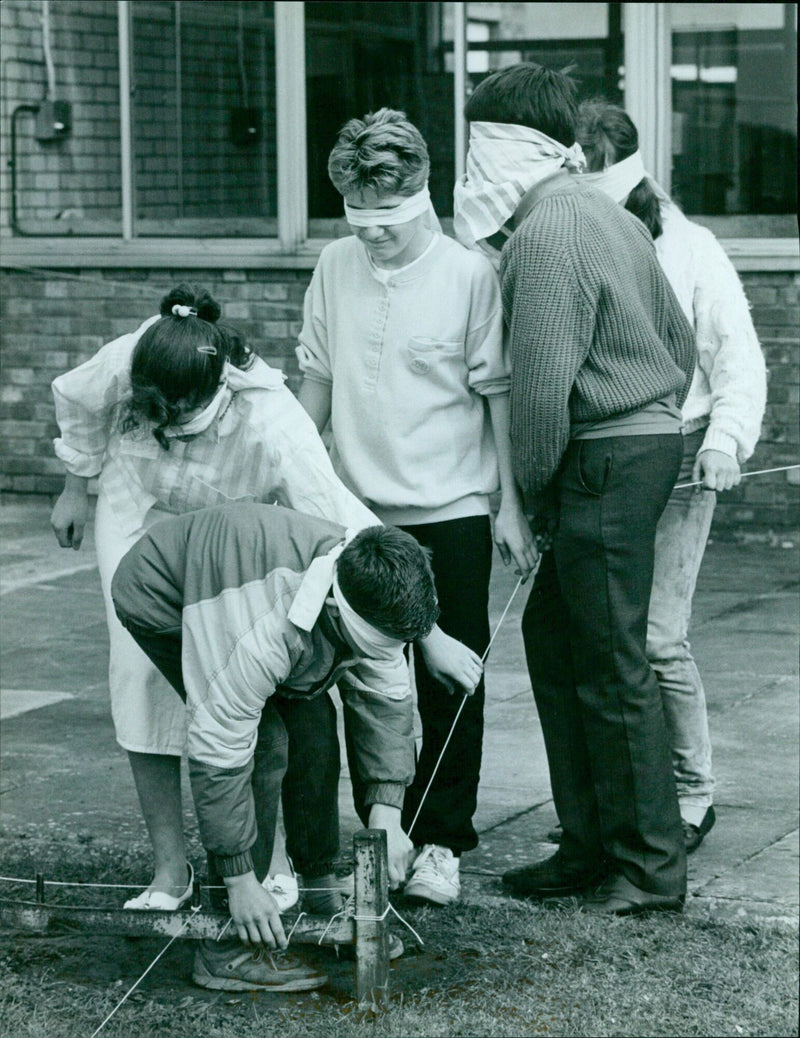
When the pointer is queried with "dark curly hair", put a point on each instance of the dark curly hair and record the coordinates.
(385, 575)
(382, 151)
(177, 363)
(608, 135)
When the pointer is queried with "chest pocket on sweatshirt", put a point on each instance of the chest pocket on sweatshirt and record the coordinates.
(425, 354)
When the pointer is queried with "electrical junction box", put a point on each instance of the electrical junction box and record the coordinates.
(53, 120)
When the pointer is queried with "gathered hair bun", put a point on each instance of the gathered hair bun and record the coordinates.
(184, 295)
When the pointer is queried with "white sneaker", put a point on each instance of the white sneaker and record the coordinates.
(434, 876)
(284, 890)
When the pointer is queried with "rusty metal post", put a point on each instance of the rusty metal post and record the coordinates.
(372, 900)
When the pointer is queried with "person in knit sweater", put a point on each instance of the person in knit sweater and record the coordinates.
(402, 349)
(601, 358)
(721, 424)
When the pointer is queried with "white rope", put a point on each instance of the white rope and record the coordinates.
(466, 697)
(139, 981)
(745, 475)
(379, 919)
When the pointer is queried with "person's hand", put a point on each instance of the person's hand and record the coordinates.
(401, 849)
(718, 471)
(450, 662)
(254, 912)
(69, 516)
(514, 540)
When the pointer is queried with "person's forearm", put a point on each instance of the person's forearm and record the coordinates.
(316, 399)
(500, 411)
(76, 485)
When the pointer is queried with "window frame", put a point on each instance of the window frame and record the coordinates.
(647, 47)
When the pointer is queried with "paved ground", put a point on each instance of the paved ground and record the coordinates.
(62, 771)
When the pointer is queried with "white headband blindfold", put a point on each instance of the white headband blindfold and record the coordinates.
(374, 644)
(619, 180)
(414, 205)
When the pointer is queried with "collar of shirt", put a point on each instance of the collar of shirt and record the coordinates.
(315, 587)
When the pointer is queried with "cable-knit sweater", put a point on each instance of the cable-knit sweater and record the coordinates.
(596, 330)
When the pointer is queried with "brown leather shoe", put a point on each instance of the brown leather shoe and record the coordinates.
(618, 896)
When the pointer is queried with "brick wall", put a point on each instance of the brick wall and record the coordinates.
(52, 323)
(185, 163)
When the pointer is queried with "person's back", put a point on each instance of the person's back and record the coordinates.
(595, 313)
(600, 357)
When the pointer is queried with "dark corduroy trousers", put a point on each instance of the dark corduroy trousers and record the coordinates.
(584, 628)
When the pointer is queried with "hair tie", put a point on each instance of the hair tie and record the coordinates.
(179, 310)
(210, 350)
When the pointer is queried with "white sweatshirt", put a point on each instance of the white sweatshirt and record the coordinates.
(729, 388)
(410, 355)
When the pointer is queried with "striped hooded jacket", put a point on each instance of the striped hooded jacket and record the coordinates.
(237, 585)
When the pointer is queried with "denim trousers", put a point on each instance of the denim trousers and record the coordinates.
(584, 629)
(461, 562)
(681, 538)
(296, 760)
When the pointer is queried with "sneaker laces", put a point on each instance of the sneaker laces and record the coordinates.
(432, 859)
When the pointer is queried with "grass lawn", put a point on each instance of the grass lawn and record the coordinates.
(499, 968)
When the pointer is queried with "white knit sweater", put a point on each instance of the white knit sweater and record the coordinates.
(729, 388)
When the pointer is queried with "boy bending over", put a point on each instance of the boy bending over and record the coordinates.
(244, 607)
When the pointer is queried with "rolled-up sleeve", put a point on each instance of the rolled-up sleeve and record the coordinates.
(87, 402)
(487, 351)
(312, 351)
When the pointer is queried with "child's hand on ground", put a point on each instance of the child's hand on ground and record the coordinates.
(254, 912)
(514, 540)
(401, 849)
(450, 662)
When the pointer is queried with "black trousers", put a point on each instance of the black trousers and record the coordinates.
(584, 630)
(462, 561)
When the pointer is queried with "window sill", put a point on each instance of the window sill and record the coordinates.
(747, 254)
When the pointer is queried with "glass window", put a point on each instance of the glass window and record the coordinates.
(365, 56)
(204, 141)
(734, 126)
(64, 152)
(587, 36)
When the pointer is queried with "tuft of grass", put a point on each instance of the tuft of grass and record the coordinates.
(503, 970)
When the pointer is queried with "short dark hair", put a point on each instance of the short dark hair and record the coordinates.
(178, 361)
(530, 95)
(386, 576)
(383, 151)
(608, 135)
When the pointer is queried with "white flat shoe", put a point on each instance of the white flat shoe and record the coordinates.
(284, 890)
(156, 901)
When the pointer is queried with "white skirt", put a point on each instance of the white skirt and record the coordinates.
(149, 715)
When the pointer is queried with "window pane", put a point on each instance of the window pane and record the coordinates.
(365, 56)
(204, 118)
(587, 36)
(67, 181)
(734, 83)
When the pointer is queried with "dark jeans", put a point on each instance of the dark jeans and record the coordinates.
(462, 561)
(296, 757)
(584, 629)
